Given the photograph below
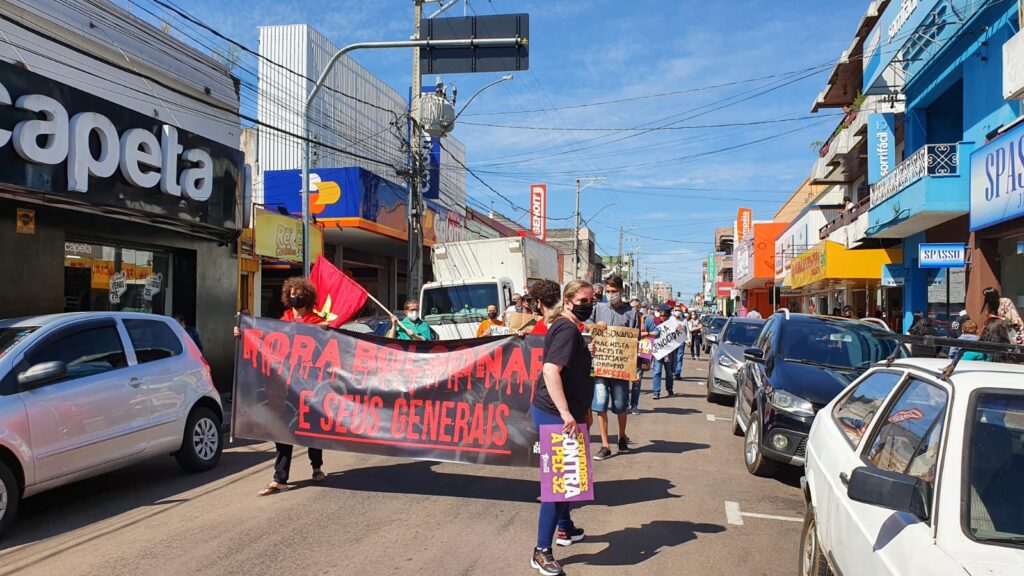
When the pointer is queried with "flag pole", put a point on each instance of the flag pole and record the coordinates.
(389, 313)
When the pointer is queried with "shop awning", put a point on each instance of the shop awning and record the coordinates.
(832, 261)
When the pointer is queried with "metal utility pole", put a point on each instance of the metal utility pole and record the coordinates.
(582, 182)
(414, 279)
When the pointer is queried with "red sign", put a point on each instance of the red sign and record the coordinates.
(904, 415)
(725, 289)
(539, 211)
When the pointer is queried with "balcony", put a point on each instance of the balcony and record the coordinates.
(845, 218)
(923, 191)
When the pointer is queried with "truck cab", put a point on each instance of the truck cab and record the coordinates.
(455, 309)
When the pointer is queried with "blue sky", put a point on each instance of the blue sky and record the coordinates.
(671, 187)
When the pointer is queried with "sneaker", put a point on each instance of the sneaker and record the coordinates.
(623, 445)
(635, 412)
(657, 396)
(566, 538)
(603, 453)
(544, 562)
(671, 393)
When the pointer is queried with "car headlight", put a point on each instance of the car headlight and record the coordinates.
(790, 403)
(726, 362)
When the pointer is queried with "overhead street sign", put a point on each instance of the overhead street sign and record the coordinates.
(463, 60)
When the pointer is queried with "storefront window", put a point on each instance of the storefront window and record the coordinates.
(946, 296)
(115, 278)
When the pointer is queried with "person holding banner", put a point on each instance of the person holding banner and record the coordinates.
(492, 321)
(610, 393)
(666, 365)
(563, 397)
(298, 296)
(648, 330)
(414, 327)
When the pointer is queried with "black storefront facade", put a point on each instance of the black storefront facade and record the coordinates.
(106, 208)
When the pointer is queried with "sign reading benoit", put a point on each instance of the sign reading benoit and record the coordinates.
(450, 400)
(106, 154)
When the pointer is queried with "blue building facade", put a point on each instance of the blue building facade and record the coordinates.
(945, 60)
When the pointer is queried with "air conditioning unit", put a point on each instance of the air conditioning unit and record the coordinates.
(1013, 68)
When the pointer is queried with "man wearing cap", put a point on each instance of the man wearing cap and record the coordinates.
(956, 327)
(666, 365)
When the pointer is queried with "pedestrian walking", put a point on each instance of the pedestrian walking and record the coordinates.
(665, 366)
(298, 296)
(1004, 309)
(611, 394)
(680, 353)
(995, 332)
(492, 321)
(414, 327)
(956, 327)
(923, 327)
(517, 305)
(648, 328)
(694, 325)
(968, 331)
(753, 313)
(563, 397)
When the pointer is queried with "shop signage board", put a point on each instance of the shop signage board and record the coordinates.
(808, 267)
(279, 237)
(744, 217)
(724, 289)
(539, 211)
(997, 180)
(67, 142)
(948, 255)
(894, 275)
(881, 145)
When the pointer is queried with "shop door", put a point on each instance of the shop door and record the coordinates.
(104, 277)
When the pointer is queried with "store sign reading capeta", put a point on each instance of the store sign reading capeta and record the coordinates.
(948, 255)
(539, 211)
(78, 142)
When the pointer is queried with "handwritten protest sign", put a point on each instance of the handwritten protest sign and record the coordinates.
(499, 331)
(516, 320)
(644, 348)
(565, 465)
(668, 339)
(615, 350)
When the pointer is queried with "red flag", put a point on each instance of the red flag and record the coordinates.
(338, 297)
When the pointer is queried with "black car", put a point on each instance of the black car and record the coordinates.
(798, 364)
(713, 327)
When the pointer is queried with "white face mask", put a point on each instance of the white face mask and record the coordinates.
(677, 313)
(413, 315)
(643, 310)
(614, 298)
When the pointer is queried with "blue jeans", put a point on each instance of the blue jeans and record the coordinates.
(552, 514)
(680, 352)
(634, 391)
(610, 394)
(695, 344)
(664, 366)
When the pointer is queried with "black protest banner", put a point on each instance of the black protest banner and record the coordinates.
(459, 401)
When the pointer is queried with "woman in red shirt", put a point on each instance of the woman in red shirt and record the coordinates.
(298, 296)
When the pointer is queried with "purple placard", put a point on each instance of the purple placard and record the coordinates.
(566, 474)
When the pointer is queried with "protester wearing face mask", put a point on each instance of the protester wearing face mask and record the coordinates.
(415, 328)
(609, 393)
(563, 396)
(666, 365)
(492, 321)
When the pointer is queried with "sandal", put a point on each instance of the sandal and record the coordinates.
(273, 488)
(318, 475)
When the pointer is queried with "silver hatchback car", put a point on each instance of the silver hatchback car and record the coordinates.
(86, 393)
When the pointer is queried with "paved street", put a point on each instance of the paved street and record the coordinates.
(660, 510)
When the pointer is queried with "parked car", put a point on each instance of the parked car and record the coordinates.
(727, 358)
(798, 364)
(86, 393)
(912, 473)
(711, 330)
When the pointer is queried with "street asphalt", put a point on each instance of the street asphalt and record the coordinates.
(680, 503)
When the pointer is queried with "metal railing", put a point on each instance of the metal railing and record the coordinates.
(845, 218)
(929, 160)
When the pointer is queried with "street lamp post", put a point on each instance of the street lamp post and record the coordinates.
(582, 182)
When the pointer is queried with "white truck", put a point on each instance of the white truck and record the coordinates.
(471, 275)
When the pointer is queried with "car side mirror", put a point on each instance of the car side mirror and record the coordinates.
(42, 373)
(712, 338)
(753, 355)
(890, 490)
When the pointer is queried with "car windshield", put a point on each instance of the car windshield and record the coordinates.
(717, 323)
(835, 343)
(458, 304)
(995, 511)
(743, 334)
(12, 335)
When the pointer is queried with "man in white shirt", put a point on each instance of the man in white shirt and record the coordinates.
(754, 314)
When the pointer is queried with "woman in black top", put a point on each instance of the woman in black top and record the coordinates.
(563, 396)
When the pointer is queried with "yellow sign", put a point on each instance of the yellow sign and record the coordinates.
(26, 221)
(832, 261)
(279, 237)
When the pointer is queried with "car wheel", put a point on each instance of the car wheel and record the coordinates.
(736, 430)
(10, 495)
(812, 560)
(201, 445)
(753, 456)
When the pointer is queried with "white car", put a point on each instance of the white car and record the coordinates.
(912, 473)
(86, 393)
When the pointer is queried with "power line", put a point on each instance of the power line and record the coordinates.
(619, 129)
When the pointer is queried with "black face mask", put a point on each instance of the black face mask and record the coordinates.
(583, 311)
(298, 301)
(492, 315)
